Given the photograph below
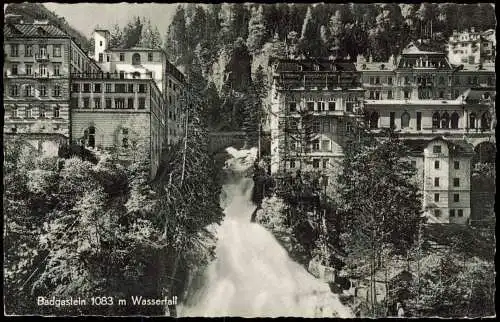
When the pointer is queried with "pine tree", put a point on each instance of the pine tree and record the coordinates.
(310, 42)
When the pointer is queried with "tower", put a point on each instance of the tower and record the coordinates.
(101, 41)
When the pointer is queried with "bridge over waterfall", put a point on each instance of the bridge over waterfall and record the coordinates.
(222, 140)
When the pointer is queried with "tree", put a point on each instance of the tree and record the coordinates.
(176, 37)
(380, 203)
(116, 39)
(132, 32)
(256, 30)
(150, 36)
(310, 42)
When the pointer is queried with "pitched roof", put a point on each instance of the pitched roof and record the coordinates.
(413, 49)
(33, 30)
(456, 147)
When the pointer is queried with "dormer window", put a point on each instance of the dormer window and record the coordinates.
(363, 66)
(316, 67)
(382, 67)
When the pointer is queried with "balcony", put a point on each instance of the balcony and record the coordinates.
(42, 57)
(41, 75)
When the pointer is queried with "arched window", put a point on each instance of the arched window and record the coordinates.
(405, 120)
(486, 121)
(90, 136)
(373, 120)
(435, 120)
(472, 121)
(454, 120)
(125, 142)
(136, 59)
(445, 121)
(56, 111)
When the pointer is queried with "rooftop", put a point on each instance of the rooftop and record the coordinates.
(32, 30)
(135, 48)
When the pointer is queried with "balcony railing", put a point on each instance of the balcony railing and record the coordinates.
(103, 75)
(42, 56)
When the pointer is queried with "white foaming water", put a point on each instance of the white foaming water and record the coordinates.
(252, 275)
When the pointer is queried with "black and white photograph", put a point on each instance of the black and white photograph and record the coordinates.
(310, 160)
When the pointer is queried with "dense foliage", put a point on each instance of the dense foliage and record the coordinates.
(76, 228)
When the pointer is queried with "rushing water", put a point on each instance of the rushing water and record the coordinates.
(252, 275)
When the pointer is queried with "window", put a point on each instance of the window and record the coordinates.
(456, 197)
(436, 149)
(29, 69)
(349, 105)
(28, 91)
(108, 58)
(405, 120)
(460, 212)
(315, 145)
(101, 57)
(14, 111)
(407, 80)
(14, 50)
(100, 43)
(454, 120)
(142, 103)
(130, 88)
(130, 103)
(43, 90)
(86, 102)
(472, 121)
(41, 112)
(122, 57)
(122, 74)
(74, 102)
(29, 112)
(136, 59)
(321, 106)
(413, 163)
(310, 106)
(452, 212)
(150, 56)
(325, 145)
(436, 164)
(407, 94)
(485, 121)
(56, 111)
(14, 69)
(43, 70)
(119, 103)
(90, 135)
(392, 120)
(292, 106)
(441, 94)
(57, 50)
(108, 103)
(86, 88)
(293, 146)
(75, 88)
(315, 163)
(57, 69)
(97, 88)
(377, 80)
(28, 50)
(372, 80)
(120, 88)
(108, 88)
(97, 102)
(316, 126)
(125, 142)
(142, 88)
(389, 95)
(456, 165)
(436, 197)
(377, 95)
(331, 105)
(445, 121)
(436, 182)
(456, 182)
(293, 124)
(14, 90)
(419, 121)
(326, 126)
(292, 163)
(436, 120)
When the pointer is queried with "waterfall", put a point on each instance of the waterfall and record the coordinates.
(253, 275)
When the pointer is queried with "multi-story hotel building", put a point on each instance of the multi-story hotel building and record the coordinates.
(118, 113)
(39, 59)
(472, 47)
(139, 62)
(55, 93)
(442, 111)
(313, 105)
